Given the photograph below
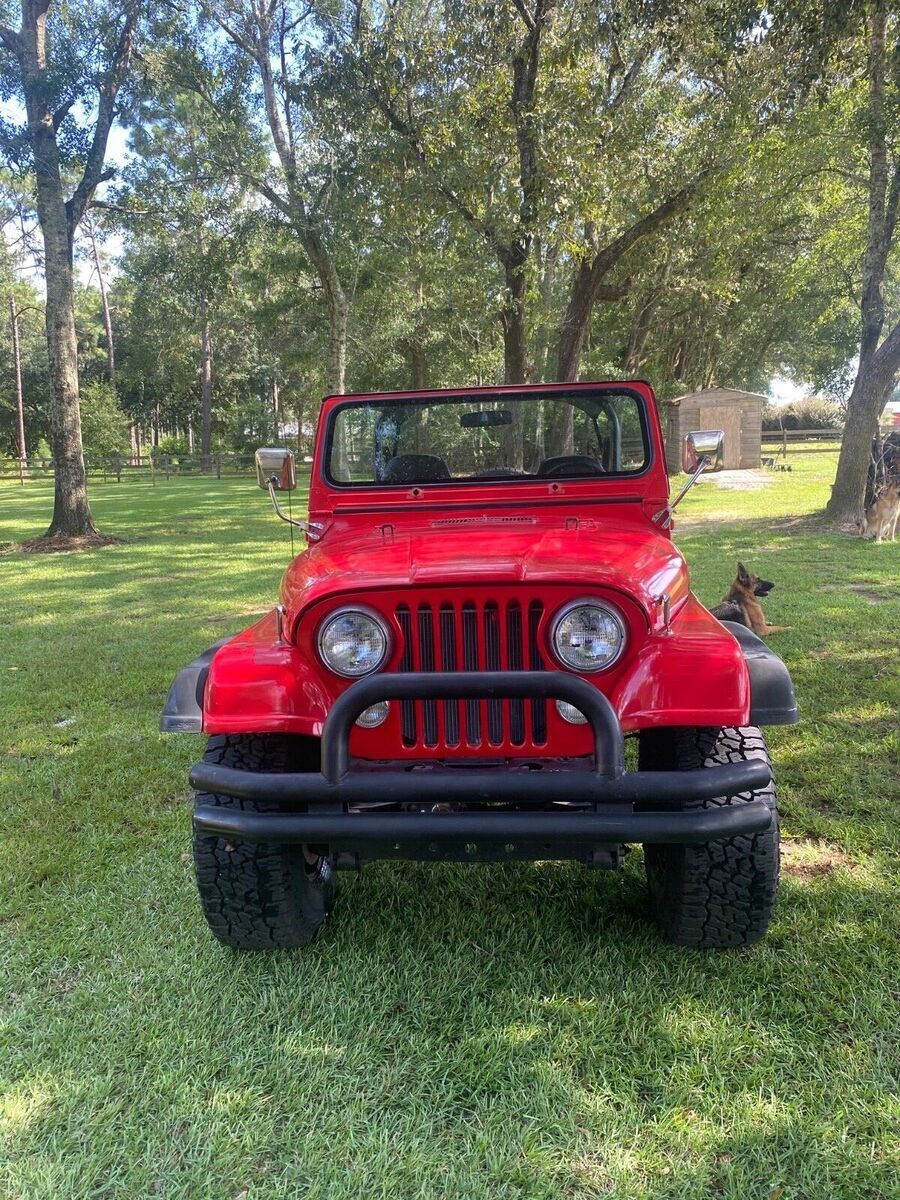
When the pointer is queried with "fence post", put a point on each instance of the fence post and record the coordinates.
(218, 466)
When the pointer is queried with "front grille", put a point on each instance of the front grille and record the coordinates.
(472, 636)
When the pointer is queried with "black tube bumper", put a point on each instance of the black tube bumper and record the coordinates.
(363, 831)
(338, 807)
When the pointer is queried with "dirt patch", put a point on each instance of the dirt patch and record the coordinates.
(809, 859)
(870, 594)
(59, 544)
(743, 481)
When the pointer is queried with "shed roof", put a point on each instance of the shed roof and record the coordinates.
(721, 395)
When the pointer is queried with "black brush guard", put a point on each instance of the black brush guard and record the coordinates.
(328, 809)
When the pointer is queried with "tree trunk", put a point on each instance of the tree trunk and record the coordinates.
(574, 324)
(587, 283)
(418, 363)
(206, 387)
(870, 393)
(71, 510)
(877, 363)
(640, 330)
(17, 371)
(104, 301)
(515, 349)
(336, 365)
(336, 304)
(59, 219)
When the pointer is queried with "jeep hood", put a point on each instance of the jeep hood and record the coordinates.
(633, 558)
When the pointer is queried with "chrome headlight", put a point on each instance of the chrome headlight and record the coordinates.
(353, 642)
(588, 635)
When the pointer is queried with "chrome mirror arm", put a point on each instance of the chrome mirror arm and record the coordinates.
(698, 471)
(278, 510)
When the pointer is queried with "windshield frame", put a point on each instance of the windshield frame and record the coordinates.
(573, 392)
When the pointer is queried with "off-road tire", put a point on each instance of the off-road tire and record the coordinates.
(717, 894)
(258, 895)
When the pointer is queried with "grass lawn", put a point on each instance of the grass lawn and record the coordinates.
(473, 1033)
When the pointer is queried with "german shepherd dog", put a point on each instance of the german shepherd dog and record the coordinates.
(880, 520)
(742, 604)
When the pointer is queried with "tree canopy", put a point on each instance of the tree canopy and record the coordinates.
(360, 195)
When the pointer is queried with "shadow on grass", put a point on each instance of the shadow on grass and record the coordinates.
(500, 1032)
(477, 1026)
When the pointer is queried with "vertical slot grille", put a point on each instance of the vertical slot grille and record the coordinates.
(538, 707)
(407, 707)
(450, 662)
(426, 663)
(487, 636)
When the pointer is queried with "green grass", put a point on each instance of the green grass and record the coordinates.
(456, 1032)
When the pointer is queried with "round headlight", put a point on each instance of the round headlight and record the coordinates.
(353, 643)
(588, 636)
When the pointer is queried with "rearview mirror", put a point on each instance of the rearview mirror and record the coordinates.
(486, 418)
(700, 444)
(275, 467)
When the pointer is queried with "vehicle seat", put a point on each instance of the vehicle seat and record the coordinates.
(571, 464)
(415, 468)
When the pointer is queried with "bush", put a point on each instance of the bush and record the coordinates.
(43, 454)
(175, 448)
(104, 427)
(812, 412)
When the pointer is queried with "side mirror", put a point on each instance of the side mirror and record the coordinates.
(275, 468)
(702, 450)
(702, 444)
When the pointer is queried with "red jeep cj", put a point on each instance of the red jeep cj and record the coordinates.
(490, 604)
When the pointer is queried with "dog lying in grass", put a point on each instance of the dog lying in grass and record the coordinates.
(742, 603)
(880, 519)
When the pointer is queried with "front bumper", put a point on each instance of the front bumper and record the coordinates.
(553, 813)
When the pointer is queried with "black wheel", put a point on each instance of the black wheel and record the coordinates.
(257, 895)
(718, 894)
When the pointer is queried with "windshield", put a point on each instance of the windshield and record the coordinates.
(531, 435)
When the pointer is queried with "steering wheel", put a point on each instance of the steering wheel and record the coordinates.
(570, 464)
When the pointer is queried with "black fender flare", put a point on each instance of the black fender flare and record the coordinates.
(772, 699)
(183, 710)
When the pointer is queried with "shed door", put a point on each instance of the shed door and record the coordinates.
(727, 419)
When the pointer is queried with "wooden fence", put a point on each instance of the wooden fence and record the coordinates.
(777, 436)
(170, 466)
(151, 467)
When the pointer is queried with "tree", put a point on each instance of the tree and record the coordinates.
(23, 382)
(879, 351)
(267, 33)
(91, 229)
(191, 216)
(562, 136)
(104, 425)
(65, 60)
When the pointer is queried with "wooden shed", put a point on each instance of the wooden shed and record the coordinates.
(737, 413)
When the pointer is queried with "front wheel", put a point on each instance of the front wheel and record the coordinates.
(717, 894)
(258, 895)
